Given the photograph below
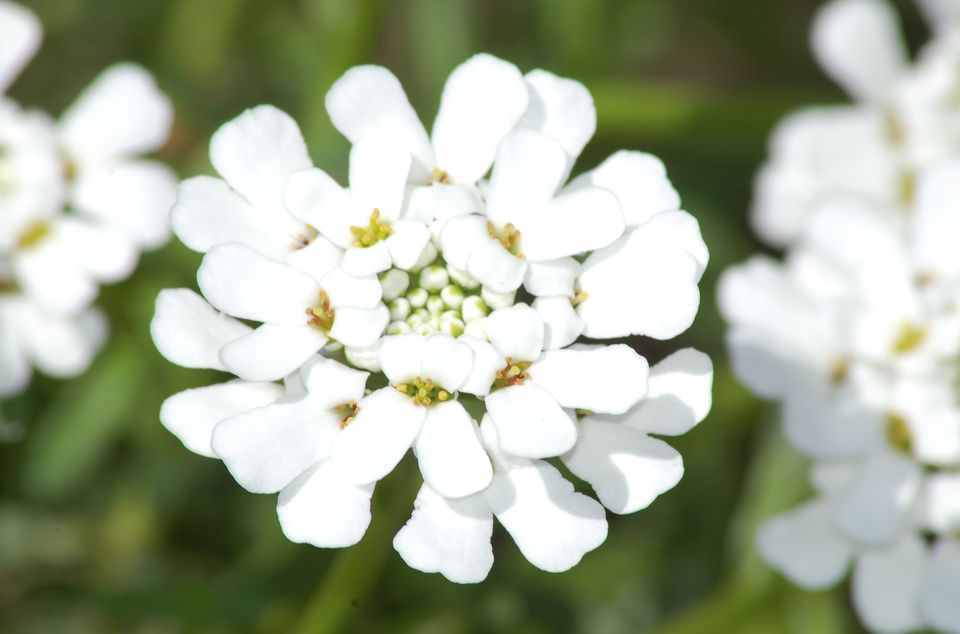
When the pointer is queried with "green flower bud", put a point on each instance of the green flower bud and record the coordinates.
(399, 308)
(474, 307)
(398, 328)
(418, 297)
(435, 305)
(476, 328)
(462, 278)
(497, 300)
(452, 296)
(453, 327)
(434, 277)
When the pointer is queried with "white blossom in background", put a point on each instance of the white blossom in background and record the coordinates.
(857, 336)
(422, 305)
(904, 117)
(77, 206)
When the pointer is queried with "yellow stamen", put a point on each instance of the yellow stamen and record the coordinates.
(508, 236)
(34, 235)
(321, 316)
(373, 233)
(908, 338)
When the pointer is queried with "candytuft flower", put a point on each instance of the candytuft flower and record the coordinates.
(425, 307)
(77, 206)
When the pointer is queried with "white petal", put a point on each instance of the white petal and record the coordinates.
(369, 100)
(680, 394)
(576, 222)
(15, 371)
(359, 327)
(374, 442)
(496, 268)
(451, 457)
(885, 585)
(529, 169)
(561, 323)
(516, 332)
(407, 242)
(270, 352)
(192, 414)
(874, 510)
(266, 448)
(486, 363)
(378, 175)
(639, 181)
(804, 546)
(552, 277)
(828, 424)
(446, 361)
(332, 384)
(62, 346)
(401, 357)
(208, 213)
(940, 508)
(241, 282)
(561, 108)
(20, 35)
(553, 525)
(323, 509)
(256, 153)
(190, 332)
(934, 223)
(105, 253)
(461, 237)
(529, 422)
(627, 468)
(858, 44)
(318, 259)
(482, 100)
(639, 285)
(938, 591)
(133, 197)
(449, 201)
(315, 198)
(681, 230)
(353, 292)
(364, 261)
(49, 274)
(451, 537)
(606, 379)
(121, 114)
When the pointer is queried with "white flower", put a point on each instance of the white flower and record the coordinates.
(77, 205)
(411, 276)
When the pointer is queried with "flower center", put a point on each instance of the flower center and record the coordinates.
(424, 392)
(508, 236)
(438, 298)
(908, 338)
(439, 176)
(373, 233)
(349, 411)
(321, 315)
(514, 373)
(34, 234)
(898, 433)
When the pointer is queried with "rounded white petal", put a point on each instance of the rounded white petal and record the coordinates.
(192, 414)
(461, 237)
(401, 357)
(49, 274)
(858, 44)
(270, 352)
(627, 468)
(369, 100)
(529, 422)
(190, 332)
(407, 242)
(20, 35)
(552, 277)
(133, 197)
(561, 323)
(121, 114)
(364, 261)
(516, 332)
(266, 448)
(553, 525)
(529, 169)
(256, 153)
(378, 175)
(451, 457)
(804, 546)
(639, 181)
(359, 327)
(680, 394)
(373, 443)
(315, 198)
(606, 379)
(482, 100)
(940, 507)
(208, 213)
(451, 537)
(562, 109)
(245, 284)
(576, 222)
(446, 361)
(483, 371)
(885, 584)
(353, 292)
(938, 590)
(323, 509)
(937, 193)
(62, 346)
(106, 254)
(331, 383)
(318, 259)
(496, 268)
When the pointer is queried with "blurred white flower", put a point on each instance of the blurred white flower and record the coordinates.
(422, 298)
(77, 206)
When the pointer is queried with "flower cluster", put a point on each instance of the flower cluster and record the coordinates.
(77, 206)
(434, 304)
(857, 332)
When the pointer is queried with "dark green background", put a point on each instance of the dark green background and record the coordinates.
(107, 524)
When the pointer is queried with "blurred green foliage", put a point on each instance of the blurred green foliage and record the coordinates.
(107, 524)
